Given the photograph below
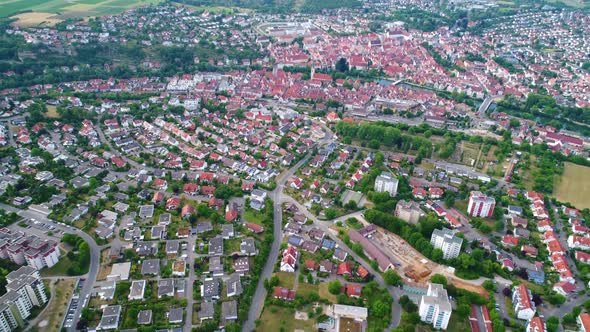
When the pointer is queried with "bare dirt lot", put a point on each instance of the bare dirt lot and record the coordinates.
(414, 266)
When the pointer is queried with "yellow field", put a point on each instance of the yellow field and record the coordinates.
(62, 9)
(574, 186)
(36, 19)
(51, 112)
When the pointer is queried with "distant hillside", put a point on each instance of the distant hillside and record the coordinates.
(277, 6)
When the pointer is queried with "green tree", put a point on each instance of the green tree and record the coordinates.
(334, 287)
(391, 277)
(439, 279)
(330, 213)
(342, 65)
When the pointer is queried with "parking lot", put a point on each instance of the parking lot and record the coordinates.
(74, 302)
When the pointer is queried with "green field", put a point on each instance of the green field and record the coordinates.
(574, 186)
(70, 8)
(275, 318)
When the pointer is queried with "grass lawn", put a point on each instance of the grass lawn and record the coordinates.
(51, 112)
(456, 324)
(253, 216)
(461, 206)
(304, 289)
(276, 318)
(59, 269)
(325, 294)
(354, 223)
(286, 279)
(232, 245)
(574, 186)
(57, 306)
(196, 308)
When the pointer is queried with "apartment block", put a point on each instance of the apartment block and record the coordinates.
(445, 240)
(480, 205)
(24, 291)
(435, 307)
(386, 182)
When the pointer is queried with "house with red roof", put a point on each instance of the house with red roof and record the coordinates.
(311, 265)
(419, 193)
(160, 184)
(191, 189)
(564, 288)
(584, 322)
(332, 117)
(554, 246)
(197, 165)
(582, 257)
(118, 162)
(578, 242)
(529, 251)
(254, 228)
(354, 290)
(231, 215)
(208, 190)
(536, 324)
(206, 177)
(284, 294)
(362, 272)
(509, 241)
(435, 193)
(345, 268)
(544, 225)
(99, 162)
(172, 203)
(522, 302)
(187, 211)
(289, 259)
(158, 197)
(247, 186)
(508, 264)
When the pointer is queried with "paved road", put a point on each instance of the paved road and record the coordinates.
(276, 195)
(94, 253)
(395, 292)
(260, 294)
(188, 326)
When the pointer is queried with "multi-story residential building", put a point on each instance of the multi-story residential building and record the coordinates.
(480, 205)
(386, 182)
(30, 250)
(24, 291)
(536, 325)
(522, 302)
(408, 211)
(445, 240)
(435, 307)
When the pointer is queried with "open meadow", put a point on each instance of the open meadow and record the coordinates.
(574, 186)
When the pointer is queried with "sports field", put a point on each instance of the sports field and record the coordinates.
(62, 9)
(574, 186)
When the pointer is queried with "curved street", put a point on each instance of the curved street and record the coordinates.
(94, 254)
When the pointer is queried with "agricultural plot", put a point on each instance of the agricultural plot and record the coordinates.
(574, 186)
(52, 11)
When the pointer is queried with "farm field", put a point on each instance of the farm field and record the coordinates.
(574, 186)
(53, 11)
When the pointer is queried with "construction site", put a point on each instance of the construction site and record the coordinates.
(415, 268)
